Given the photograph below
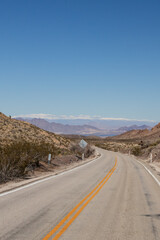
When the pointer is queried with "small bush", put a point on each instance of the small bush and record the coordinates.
(88, 151)
(14, 158)
(136, 151)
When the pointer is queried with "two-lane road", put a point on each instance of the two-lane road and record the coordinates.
(110, 198)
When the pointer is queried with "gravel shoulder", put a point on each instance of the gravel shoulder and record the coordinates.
(154, 167)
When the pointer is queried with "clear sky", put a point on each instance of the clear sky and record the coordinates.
(76, 57)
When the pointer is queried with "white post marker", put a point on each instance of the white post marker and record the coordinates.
(151, 158)
(49, 158)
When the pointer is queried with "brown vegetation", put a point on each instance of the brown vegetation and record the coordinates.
(19, 157)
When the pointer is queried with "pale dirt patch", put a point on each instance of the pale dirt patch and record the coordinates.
(155, 166)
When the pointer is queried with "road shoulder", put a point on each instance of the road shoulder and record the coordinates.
(152, 168)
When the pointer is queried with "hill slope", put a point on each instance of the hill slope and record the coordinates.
(12, 130)
(24, 148)
(145, 134)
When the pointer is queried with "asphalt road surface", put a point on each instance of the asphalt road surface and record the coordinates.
(112, 198)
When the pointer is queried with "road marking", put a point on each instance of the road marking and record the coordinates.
(96, 190)
(157, 181)
(47, 178)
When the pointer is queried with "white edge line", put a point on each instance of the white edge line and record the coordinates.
(48, 178)
(157, 181)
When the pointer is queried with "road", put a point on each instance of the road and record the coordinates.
(117, 200)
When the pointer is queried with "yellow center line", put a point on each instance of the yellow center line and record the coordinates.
(99, 187)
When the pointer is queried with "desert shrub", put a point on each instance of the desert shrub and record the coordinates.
(14, 158)
(154, 144)
(136, 151)
(76, 149)
(88, 151)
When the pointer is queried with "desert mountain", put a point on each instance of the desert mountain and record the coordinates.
(85, 129)
(100, 123)
(133, 127)
(62, 128)
(12, 130)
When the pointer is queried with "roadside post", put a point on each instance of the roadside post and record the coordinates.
(151, 158)
(83, 144)
(49, 158)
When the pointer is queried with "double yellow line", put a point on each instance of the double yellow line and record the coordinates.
(95, 191)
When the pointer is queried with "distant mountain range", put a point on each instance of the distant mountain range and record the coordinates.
(133, 127)
(62, 128)
(85, 129)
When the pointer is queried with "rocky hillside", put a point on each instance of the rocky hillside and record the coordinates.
(24, 148)
(145, 134)
(133, 134)
(143, 143)
(12, 130)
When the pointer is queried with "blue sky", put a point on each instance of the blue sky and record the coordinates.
(97, 58)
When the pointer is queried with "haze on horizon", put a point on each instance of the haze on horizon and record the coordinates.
(94, 58)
